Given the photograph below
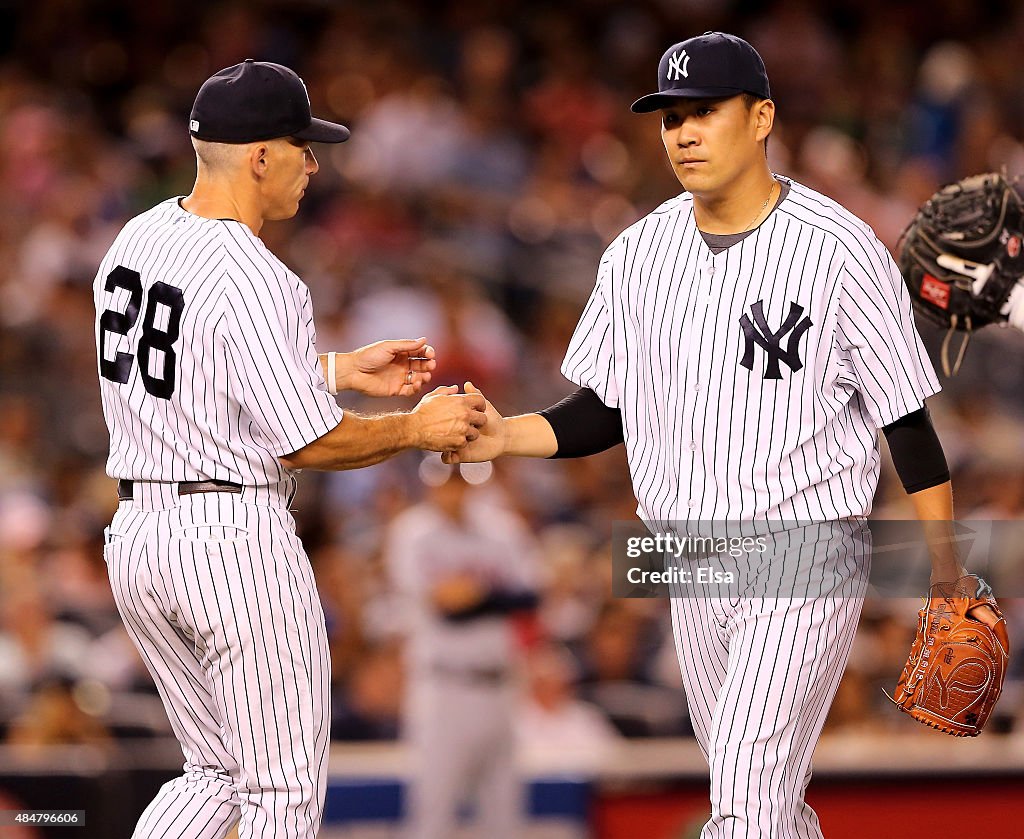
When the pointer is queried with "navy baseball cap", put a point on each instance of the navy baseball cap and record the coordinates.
(709, 65)
(258, 100)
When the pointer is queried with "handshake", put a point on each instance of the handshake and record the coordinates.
(465, 427)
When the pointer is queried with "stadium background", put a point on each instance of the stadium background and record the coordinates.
(493, 158)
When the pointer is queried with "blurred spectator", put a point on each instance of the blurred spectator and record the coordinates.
(369, 704)
(20, 426)
(55, 718)
(33, 646)
(409, 141)
(557, 731)
(616, 656)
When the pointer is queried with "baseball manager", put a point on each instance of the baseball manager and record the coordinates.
(214, 396)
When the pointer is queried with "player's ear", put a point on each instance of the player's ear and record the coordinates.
(258, 156)
(764, 119)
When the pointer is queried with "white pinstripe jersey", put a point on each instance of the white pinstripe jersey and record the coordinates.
(752, 383)
(206, 353)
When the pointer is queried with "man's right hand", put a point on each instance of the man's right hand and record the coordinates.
(491, 441)
(446, 419)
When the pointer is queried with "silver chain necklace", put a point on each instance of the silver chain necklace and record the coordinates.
(771, 192)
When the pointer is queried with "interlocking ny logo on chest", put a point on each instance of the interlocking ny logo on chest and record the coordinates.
(760, 333)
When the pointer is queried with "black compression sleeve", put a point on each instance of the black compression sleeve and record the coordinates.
(916, 451)
(583, 424)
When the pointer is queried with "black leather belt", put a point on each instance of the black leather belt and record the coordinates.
(125, 489)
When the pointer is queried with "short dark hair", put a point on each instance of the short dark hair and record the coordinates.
(749, 100)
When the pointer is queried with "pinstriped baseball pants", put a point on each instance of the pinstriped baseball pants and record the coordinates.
(219, 597)
(760, 672)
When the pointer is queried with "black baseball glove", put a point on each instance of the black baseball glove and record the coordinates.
(962, 255)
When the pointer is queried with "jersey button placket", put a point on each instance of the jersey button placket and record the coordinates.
(707, 276)
(694, 334)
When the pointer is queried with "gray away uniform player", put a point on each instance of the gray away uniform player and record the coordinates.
(462, 566)
(214, 394)
(747, 340)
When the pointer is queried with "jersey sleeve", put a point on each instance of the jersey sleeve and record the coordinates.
(271, 340)
(590, 359)
(877, 334)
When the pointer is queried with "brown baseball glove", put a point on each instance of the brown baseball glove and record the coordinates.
(957, 664)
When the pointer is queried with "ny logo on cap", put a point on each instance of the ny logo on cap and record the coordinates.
(770, 340)
(677, 65)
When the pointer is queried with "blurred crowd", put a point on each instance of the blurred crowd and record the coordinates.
(493, 158)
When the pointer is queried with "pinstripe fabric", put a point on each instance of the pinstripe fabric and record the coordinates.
(220, 600)
(215, 589)
(248, 384)
(760, 670)
(722, 424)
(707, 438)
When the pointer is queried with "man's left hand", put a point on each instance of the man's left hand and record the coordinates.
(387, 368)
